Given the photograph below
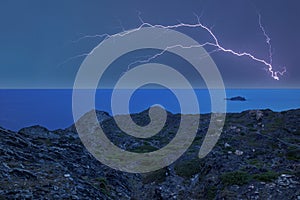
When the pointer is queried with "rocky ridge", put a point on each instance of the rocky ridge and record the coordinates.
(256, 157)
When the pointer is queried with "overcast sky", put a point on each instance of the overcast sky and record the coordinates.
(36, 36)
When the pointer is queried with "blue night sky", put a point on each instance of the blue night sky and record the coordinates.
(36, 36)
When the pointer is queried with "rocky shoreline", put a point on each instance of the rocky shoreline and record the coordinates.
(256, 157)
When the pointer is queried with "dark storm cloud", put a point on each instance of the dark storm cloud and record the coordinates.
(36, 36)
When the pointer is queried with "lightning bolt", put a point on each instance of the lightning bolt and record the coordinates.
(214, 43)
(268, 39)
(268, 42)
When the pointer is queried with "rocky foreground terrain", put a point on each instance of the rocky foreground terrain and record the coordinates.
(256, 157)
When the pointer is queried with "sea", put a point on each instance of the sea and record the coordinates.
(52, 108)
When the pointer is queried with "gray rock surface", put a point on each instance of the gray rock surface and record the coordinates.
(36, 163)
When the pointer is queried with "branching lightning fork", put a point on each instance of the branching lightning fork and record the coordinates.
(215, 43)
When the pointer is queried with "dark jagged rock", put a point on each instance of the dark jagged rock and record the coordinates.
(256, 157)
(238, 98)
(101, 116)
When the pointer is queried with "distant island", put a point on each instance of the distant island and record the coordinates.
(237, 98)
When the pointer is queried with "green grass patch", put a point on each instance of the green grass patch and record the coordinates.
(293, 154)
(211, 192)
(101, 183)
(188, 168)
(145, 148)
(266, 176)
(257, 163)
(242, 178)
(158, 176)
(235, 178)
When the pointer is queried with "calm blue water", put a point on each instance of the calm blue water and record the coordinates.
(53, 108)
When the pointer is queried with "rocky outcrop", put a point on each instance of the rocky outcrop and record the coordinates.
(256, 157)
(237, 98)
